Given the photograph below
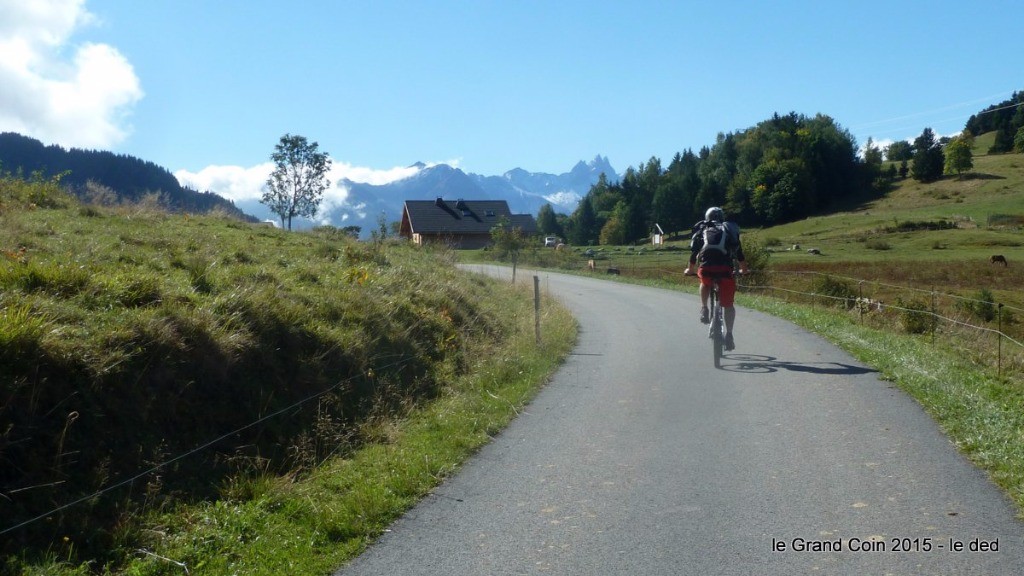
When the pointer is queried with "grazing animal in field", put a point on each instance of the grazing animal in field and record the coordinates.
(998, 258)
(590, 265)
(796, 247)
(814, 251)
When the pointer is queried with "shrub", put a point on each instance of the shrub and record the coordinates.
(757, 255)
(982, 306)
(878, 245)
(1011, 220)
(840, 291)
(915, 316)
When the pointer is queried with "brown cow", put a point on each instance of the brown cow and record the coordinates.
(998, 258)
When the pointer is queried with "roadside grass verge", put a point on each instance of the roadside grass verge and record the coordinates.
(982, 414)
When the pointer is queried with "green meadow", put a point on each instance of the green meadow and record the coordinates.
(195, 394)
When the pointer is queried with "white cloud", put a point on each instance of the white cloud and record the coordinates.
(77, 101)
(238, 183)
(232, 182)
(373, 176)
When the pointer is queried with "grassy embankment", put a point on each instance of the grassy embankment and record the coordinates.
(224, 398)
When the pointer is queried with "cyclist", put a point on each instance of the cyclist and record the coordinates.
(713, 247)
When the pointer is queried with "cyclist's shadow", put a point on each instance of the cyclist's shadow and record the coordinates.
(758, 364)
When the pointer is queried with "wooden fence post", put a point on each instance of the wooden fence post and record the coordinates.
(999, 345)
(536, 306)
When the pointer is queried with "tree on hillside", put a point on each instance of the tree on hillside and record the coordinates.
(614, 231)
(1003, 141)
(998, 116)
(872, 155)
(297, 184)
(899, 151)
(585, 227)
(547, 222)
(1018, 140)
(928, 160)
(958, 156)
(780, 190)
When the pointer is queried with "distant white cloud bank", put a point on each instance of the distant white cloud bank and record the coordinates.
(57, 91)
(239, 183)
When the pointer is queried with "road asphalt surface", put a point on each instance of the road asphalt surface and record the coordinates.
(639, 457)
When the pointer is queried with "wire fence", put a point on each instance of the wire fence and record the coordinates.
(915, 310)
(126, 482)
(991, 329)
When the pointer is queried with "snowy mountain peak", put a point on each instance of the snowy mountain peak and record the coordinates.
(526, 192)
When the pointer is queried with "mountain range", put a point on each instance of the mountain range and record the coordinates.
(130, 178)
(526, 192)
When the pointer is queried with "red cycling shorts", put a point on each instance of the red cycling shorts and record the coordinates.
(726, 282)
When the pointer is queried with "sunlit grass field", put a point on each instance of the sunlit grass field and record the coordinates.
(196, 394)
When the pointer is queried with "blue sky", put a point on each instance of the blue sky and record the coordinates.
(206, 88)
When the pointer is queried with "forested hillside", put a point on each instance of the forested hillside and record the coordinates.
(781, 170)
(104, 177)
(1006, 119)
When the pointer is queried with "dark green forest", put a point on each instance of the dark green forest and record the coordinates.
(783, 169)
(105, 177)
(1006, 119)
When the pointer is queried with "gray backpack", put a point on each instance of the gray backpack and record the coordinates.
(715, 235)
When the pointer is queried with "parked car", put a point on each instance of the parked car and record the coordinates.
(551, 241)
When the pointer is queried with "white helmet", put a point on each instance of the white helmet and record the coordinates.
(714, 214)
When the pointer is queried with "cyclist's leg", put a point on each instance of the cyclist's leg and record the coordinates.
(727, 293)
(705, 294)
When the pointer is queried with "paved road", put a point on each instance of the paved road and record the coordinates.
(641, 458)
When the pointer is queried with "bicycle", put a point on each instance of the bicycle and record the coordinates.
(716, 320)
(716, 331)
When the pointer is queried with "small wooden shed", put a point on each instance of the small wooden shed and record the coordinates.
(657, 235)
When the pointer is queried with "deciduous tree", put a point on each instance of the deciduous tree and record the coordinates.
(958, 157)
(297, 184)
(899, 151)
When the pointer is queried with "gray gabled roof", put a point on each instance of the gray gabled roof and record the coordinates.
(462, 216)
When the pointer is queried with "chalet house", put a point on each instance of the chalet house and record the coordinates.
(464, 224)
